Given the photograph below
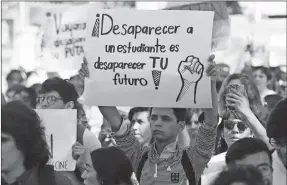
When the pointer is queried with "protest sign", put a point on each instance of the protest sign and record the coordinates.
(157, 58)
(64, 37)
(61, 133)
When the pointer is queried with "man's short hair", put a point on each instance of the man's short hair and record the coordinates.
(65, 89)
(135, 110)
(180, 113)
(244, 147)
(277, 121)
(249, 175)
(24, 125)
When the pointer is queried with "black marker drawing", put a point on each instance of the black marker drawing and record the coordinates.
(156, 78)
(95, 32)
(190, 72)
(51, 140)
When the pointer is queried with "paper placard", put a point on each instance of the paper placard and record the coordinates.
(61, 134)
(155, 59)
(64, 36)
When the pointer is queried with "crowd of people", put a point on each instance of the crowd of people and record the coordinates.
(241, 140)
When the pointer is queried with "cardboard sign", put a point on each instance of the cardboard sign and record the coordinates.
(61, 134)
(64, 36)
(155, 59)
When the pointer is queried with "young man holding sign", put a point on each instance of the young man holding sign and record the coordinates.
(164, 162)
(57, 93)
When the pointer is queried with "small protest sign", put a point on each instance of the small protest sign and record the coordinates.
(61, 132)
(64, 37)
(156, 59)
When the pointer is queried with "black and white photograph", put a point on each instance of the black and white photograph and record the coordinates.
(143, 92)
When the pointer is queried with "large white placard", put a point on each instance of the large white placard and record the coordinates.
(148, 58)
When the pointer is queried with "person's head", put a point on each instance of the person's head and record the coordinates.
(251, 151)
(23, 141)
(14, 77)
(110, 166)
(239, 175)
(57, 93)
(272, 100)
(261, 76)
(21, 93)
(78, 83)
(11, 91)
(192, 121)
(230, 129)
(166, 123)
(277, 129)
(139, 118)
(37, 87)
(251, 92)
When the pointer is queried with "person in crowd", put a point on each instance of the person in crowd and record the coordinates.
(251, 151)
(36, 87)
(230, 130)
(12, 90)
(193, 123)
(14, 77)
(239, 175)
(108, 166)
(251, 101)
(139, 118)
(78, 83)
(57, 93)
(277, 132)
(26, 95)
(24, 149)
(241, 111)
(159, 163)
(261, 76)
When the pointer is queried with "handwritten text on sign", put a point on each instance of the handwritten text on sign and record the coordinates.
(66, 36)
(155, 59)
(61, 134)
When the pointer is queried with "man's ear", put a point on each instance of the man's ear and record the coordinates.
(181, 125)
(70, 105)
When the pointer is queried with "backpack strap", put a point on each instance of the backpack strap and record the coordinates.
(188, 169)
(46, 175)
(141, 165)
(80, 133)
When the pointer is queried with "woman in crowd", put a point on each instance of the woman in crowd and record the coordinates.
(108, 166)
(242, 112)
(261, 76)
(25, 152)
(240, 175)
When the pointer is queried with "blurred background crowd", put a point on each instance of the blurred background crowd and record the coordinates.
(256, 46)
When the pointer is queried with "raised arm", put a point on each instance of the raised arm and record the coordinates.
(121, 129)
(200, 153)
(241, 104)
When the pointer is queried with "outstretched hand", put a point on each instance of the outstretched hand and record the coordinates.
(237, 100)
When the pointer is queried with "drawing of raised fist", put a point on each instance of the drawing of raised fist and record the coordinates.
(190, 71)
